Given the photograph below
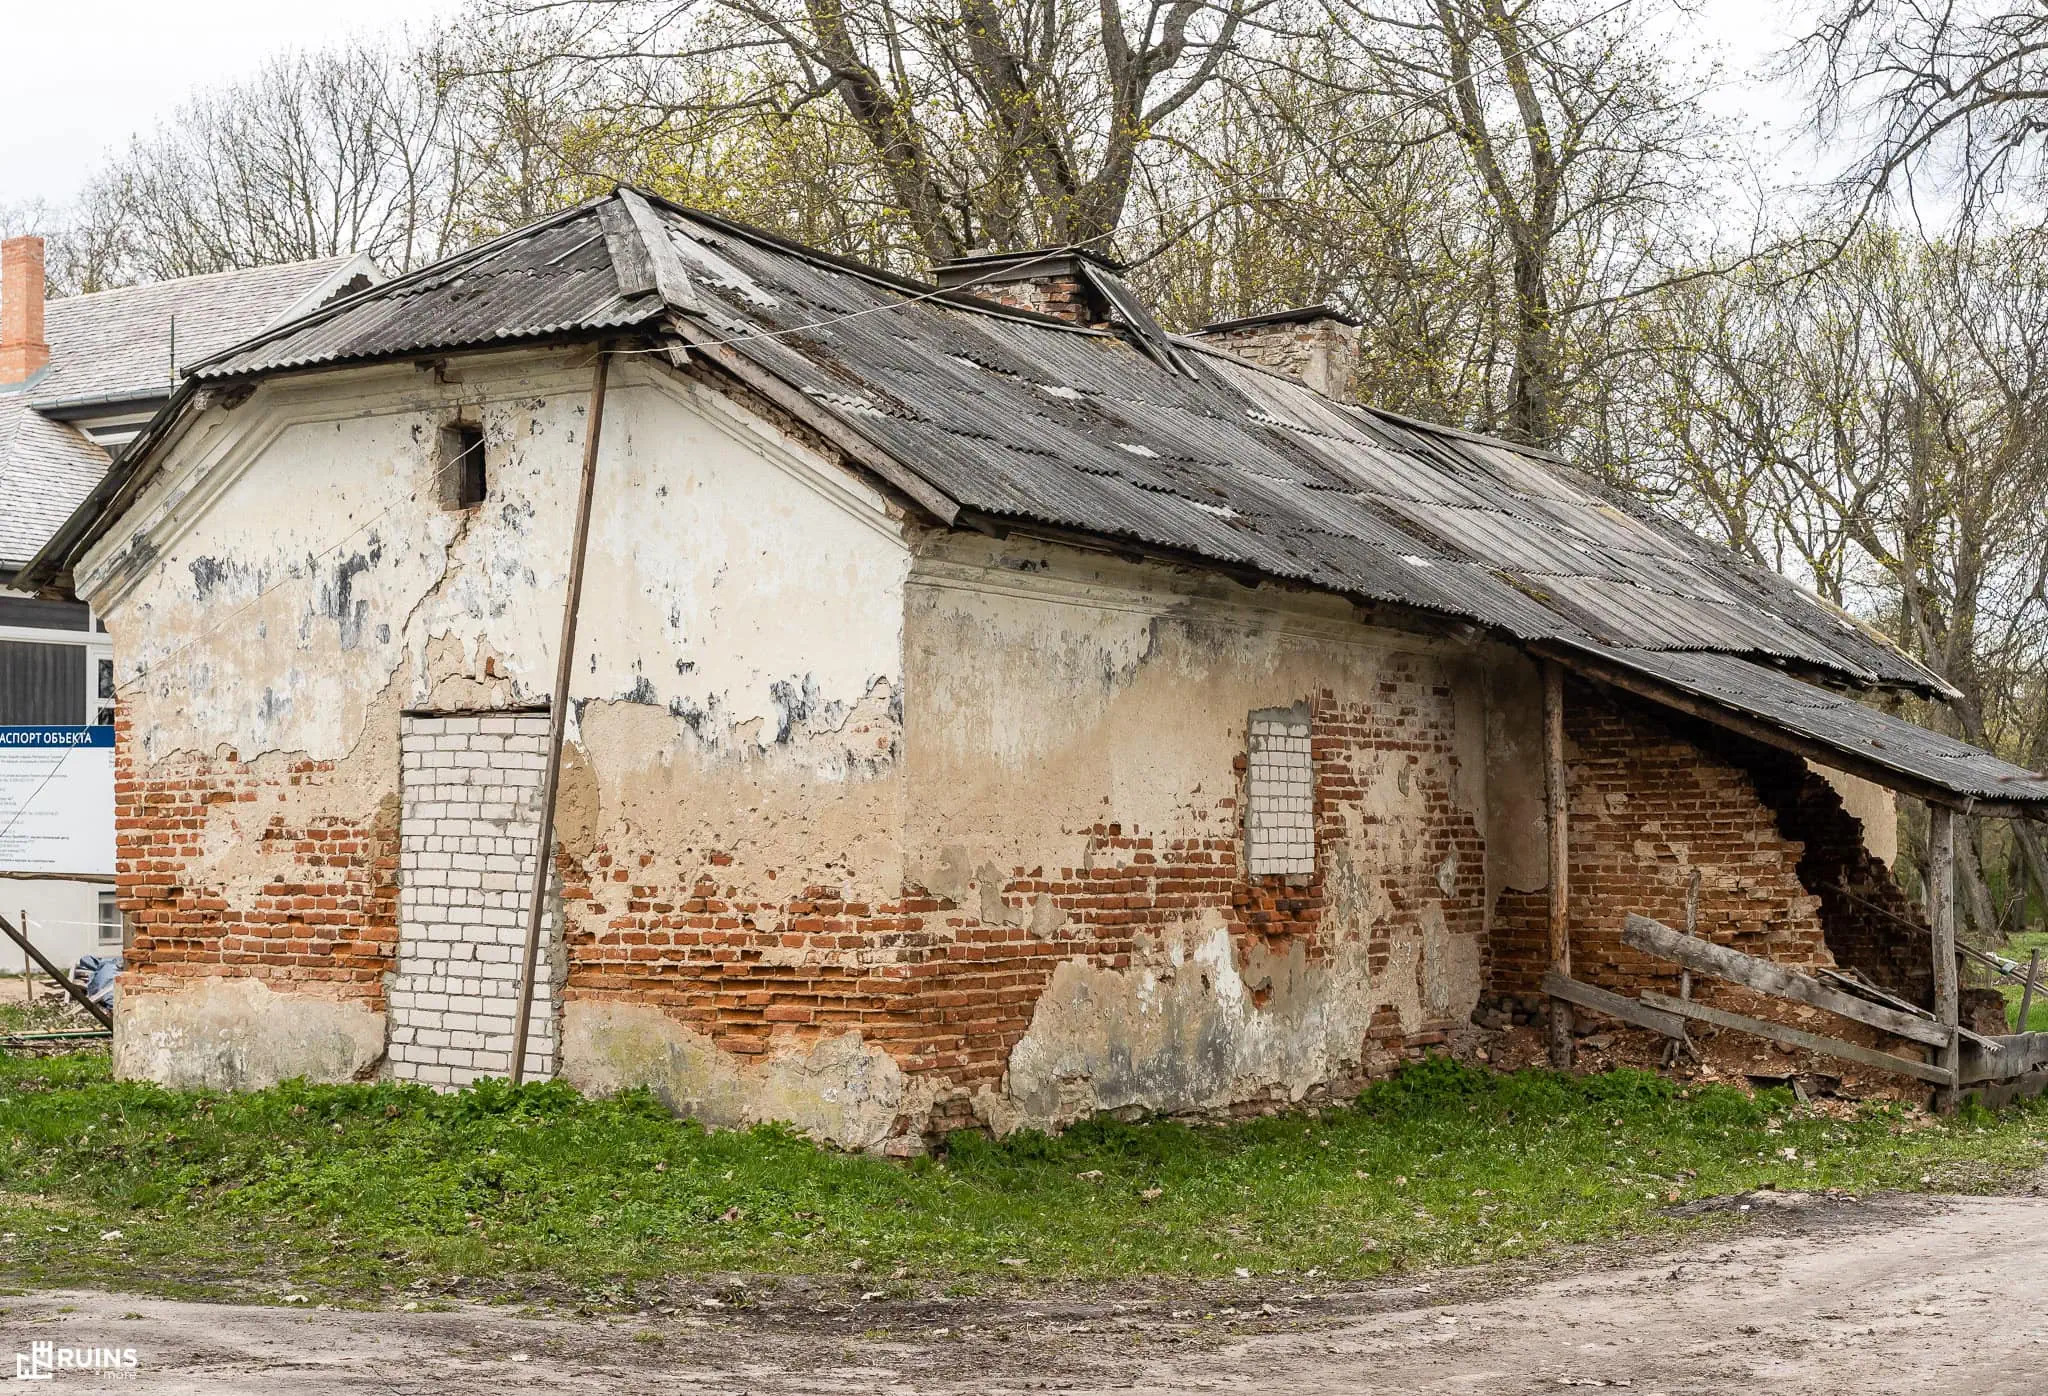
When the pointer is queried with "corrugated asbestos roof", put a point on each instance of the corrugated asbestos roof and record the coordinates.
(1018, 418)
(550, 279)
(1834, 721)
(1034, 422)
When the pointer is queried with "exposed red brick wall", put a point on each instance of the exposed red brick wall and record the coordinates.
(946, 992)
(327, 917)
(1066, 297)
(1784, 870)
(1649, 804)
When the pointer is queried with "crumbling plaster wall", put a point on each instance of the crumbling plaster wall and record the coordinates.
(289, 583)
(868, 828)
(1075, 733)
(1064, 926)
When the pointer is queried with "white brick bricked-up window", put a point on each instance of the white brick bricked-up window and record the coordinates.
(469, 830)
(1280, 833)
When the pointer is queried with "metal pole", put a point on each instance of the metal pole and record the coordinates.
(28, 978)
(558, 719)
(1558, 806)
(64, 981)
(2027, 994)
(1941, 914)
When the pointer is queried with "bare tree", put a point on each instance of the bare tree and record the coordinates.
(83, 252)
(1952, 96)
(1880, 426)
(987, 123)
(1586, 150)
(316, 155)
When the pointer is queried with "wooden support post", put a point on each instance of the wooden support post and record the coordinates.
(558, 720)
(2027, 994)
(1557, 806)
(1941, 914)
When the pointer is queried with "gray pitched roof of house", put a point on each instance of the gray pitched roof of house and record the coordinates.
(1009, 419)
(115, 346)
(46, 468)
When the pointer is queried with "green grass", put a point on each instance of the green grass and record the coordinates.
(355, 1191)
(2017, 949)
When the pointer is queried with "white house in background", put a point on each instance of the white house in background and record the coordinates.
(79, 377)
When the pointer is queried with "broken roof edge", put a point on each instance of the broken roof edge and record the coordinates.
(2001, 789)
(322, 313)
(49, 569)
(960, 297)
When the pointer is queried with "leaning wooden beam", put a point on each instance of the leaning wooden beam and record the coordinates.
(558, 719)
(64, 981)
(1705, 957)
(2027, 994)
(2003, 968)
(1941, 915)
(1557, 801)
(1794, 1037)
(1614, 1005)
(1863, 988)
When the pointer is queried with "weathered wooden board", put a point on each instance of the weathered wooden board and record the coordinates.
(1941, 918)
(631, 263)
(1614, 1005)
(1705, 957)
(1995, 1095)
(1863, 988)
(2012, 1055)
(1557, 814)
(1794, 1037)
(671, 277)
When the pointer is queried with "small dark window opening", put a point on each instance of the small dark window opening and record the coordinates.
(462, 466)
(103, 711)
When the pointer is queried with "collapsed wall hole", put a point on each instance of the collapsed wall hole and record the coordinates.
(1869, 924)
(1659, 795)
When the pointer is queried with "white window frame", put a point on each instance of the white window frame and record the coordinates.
(119, 924)
(94, 646)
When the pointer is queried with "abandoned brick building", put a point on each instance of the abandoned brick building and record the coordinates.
(986, 706)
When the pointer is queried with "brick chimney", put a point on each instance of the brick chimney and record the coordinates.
(23, 350)
(1050, 282)
(1317, 344)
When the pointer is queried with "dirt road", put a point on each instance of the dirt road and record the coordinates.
(1804, 1298)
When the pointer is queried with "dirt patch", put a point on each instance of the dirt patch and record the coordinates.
(1799, 1296)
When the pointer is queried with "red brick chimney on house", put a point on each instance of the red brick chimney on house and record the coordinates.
(23, 350)
(1317, 344)
(1049, 282)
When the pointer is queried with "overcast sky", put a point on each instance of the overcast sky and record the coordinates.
(85, 75)
(82, 76)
